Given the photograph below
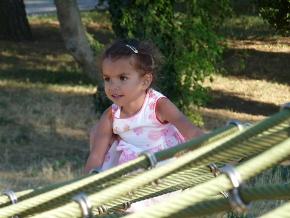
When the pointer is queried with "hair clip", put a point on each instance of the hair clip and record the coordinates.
(132, 48)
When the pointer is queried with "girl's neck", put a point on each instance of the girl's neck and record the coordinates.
(132, 108)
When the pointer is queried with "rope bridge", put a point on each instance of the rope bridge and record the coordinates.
(200, 176)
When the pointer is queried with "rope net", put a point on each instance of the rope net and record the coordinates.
(195, 171)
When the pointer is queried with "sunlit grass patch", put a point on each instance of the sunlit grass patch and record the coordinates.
(101, 19)
(36, 62)
(88, 17)
(246, 26)
(275, 45)
(39, 175)
(56, 88)
(216, 118)
(41, 122)
(35, 55)
(47, 76)
(98, 24)
(252, 89)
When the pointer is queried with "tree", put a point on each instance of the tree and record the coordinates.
(184, 31)
(77, 43)
(13, 21)
(277, 13)
(74, 36)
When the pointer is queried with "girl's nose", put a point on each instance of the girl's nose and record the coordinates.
(114, 86)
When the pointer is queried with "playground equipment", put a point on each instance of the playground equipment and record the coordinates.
(200, 170)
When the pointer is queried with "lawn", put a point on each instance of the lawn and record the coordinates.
(47, 108)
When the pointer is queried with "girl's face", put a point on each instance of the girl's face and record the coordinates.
(124, 85)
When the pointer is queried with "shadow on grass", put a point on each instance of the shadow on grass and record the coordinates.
(228, 101)
(46, 76)
(253, 64)
(50, 32)
(238, 31)
(39, 125)
(20, 148)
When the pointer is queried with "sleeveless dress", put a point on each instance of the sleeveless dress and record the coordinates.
(140, 132)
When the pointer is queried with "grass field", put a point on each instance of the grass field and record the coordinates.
(47, 109)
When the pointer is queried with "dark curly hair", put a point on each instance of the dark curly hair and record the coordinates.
(148, 58)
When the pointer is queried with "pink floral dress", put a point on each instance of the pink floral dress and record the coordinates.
(140, 132)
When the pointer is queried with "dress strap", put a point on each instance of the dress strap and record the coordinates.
(115, 109)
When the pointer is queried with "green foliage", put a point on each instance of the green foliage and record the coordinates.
(95, 45)
(277, 13)
(184, 32)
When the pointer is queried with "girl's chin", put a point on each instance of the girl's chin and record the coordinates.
(117, 103)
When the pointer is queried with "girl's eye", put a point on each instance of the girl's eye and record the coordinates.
(123, 78)
(106, 79)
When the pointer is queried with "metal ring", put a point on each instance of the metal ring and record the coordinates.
(95, 170)
(247, 124)
(11, 195)
(235, 200)
(84, 203)
(235, 123)
(214, 169)
(102, 209)
(126, 205)
(233, 175)
(156, 182)
(285, 106)
(131, 193)
(151, 157)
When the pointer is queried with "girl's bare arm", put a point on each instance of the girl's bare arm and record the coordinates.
(100, 140)
(167, 111)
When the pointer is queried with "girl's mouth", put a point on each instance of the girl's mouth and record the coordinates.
(117, 96)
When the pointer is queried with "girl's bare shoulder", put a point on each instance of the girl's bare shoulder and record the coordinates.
(106, 121)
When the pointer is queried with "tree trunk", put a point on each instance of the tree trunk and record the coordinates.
(74, 36)
(13, 21)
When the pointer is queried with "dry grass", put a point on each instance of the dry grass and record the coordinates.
(279, 44)
(245, 98)
(255, 85)
(46, 110)
(44, 132)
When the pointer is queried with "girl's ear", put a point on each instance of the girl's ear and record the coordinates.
(147, 80)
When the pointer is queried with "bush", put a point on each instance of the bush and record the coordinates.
(277, 13)
(184, 32)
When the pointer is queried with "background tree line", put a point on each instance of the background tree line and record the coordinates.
(184, 31)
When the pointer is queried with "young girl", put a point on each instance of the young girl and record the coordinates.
(140, 118)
